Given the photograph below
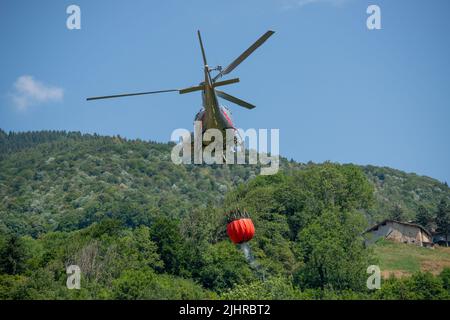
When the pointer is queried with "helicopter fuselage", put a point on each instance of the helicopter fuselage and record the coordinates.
(214, 116)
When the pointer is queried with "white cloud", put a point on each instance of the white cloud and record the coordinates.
(29, 92)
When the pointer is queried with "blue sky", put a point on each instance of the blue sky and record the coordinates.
(336, 90)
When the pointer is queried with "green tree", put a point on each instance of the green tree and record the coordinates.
(146, 249)
(443, 218)
(171, 246)
(333, 253)
(12, 256)
(424, 216)
(397, 213)
(224, 266)
(145, 284)
(12, 287)
(420, 286)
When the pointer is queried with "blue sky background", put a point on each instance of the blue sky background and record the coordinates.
(336, 90)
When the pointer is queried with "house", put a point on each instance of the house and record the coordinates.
(404, 232)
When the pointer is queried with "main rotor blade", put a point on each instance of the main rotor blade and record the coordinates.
(235, 100)
(226, 82)
(201, 46)
(245, 54)
(130, 94)
(191, 89)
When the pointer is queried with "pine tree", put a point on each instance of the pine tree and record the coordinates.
(397, 213)
(12, 256)
(424, 217)
(443, 218)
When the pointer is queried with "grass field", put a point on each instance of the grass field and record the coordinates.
(401, 259)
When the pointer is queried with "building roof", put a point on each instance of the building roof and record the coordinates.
(399, 222)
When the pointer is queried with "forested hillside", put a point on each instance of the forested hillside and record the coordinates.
(141, 227)
(54, 180)
(407, 190)
(74, 180)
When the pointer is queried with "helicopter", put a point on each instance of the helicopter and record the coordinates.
(212, 115)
